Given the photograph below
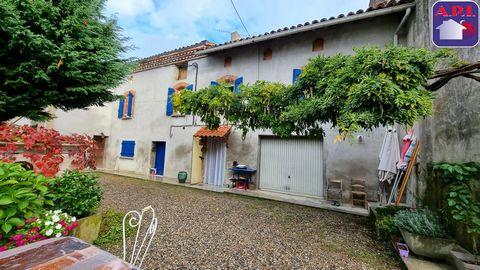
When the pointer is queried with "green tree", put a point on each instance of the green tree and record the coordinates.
(62, 53)
(370, 88)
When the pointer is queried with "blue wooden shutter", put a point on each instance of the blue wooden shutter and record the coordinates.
(130, 104)
(296, 74)
(190, 87)
(236, 85)
(171, 91)
(213, 83)
(120, 107)
(128, 149)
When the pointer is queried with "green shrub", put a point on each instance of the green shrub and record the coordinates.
(23, 195)
(389, 211)
(422, 221)
(385, 227)
(77, 193)
(111, 231)
(385, 224)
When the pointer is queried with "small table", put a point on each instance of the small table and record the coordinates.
(61, 253)
(247, 172)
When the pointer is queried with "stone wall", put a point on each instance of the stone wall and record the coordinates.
(452, 134)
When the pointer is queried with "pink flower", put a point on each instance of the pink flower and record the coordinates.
(65, 232)
(75, 224)
(32, 230)
(3, 248)
(62, 222)
(1, 236)
(20, 243)
(18, 227)
(31, 238)
(17, 237)
(43, 238)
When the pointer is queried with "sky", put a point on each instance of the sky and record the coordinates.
(155, 26)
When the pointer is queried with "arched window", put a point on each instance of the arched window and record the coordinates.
(227, 62)
(267, 54)
(171, 109)
(317, 45)
(232, 80)
(126, 105)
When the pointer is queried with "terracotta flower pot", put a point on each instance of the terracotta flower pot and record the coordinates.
(437, 248)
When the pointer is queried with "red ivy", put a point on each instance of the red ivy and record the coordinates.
(44, 148)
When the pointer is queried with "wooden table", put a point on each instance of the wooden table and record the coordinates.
(61, 253)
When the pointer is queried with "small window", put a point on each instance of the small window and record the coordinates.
(182, 72)
(126, 105)
(128, 149)
(267, 54)
(227, 62)
(317, 45)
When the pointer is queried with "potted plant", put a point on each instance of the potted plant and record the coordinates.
(79, 194)
(424, 234)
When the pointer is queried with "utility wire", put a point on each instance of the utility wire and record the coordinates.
(239, 17)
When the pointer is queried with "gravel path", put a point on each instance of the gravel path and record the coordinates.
(205, 230)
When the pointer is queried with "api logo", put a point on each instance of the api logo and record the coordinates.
(455, 24)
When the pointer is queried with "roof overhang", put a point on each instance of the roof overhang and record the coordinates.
(222, 131)
(310, 27)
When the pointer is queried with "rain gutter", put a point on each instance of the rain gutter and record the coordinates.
(400, 26)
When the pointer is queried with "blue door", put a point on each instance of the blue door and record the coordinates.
(160, 157)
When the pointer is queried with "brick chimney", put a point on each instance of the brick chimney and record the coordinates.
(234, 36)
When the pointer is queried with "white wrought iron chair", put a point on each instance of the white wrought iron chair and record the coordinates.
(135, 221)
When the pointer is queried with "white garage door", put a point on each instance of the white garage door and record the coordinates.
(292, 166)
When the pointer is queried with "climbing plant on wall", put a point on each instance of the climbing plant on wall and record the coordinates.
(45, 148)
(370, 88)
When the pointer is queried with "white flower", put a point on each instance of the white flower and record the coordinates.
(57, 211)
(55, 218)
(58, 235)
(58, 227)
(73, 219)
(48, 223)
(49, 232)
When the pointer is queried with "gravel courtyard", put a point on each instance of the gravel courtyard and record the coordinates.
(205, 230)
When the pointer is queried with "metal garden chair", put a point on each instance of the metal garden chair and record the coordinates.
(139, 249)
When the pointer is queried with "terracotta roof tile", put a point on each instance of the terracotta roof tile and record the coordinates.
(221, 132)
(179, 55)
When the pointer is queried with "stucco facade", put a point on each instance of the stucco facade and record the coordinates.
(341, 160)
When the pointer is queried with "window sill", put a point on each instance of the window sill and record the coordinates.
(178, 115)
(122, 157)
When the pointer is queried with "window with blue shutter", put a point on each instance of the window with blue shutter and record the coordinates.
(296, 74)
(213, 83)
(171, 91)
(128, 149)
(130, 99)
(121, 104)
(237, 83)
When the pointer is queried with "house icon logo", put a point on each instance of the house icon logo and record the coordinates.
(455, 24)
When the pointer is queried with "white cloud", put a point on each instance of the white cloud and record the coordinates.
(129, 8)
(158, 25)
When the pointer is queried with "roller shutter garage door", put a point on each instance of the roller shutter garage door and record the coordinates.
(292, 166)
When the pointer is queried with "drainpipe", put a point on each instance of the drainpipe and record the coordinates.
(195, 65)
(400, 26)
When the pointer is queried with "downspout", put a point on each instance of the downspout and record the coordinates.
(195, 65)
(400, 26)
